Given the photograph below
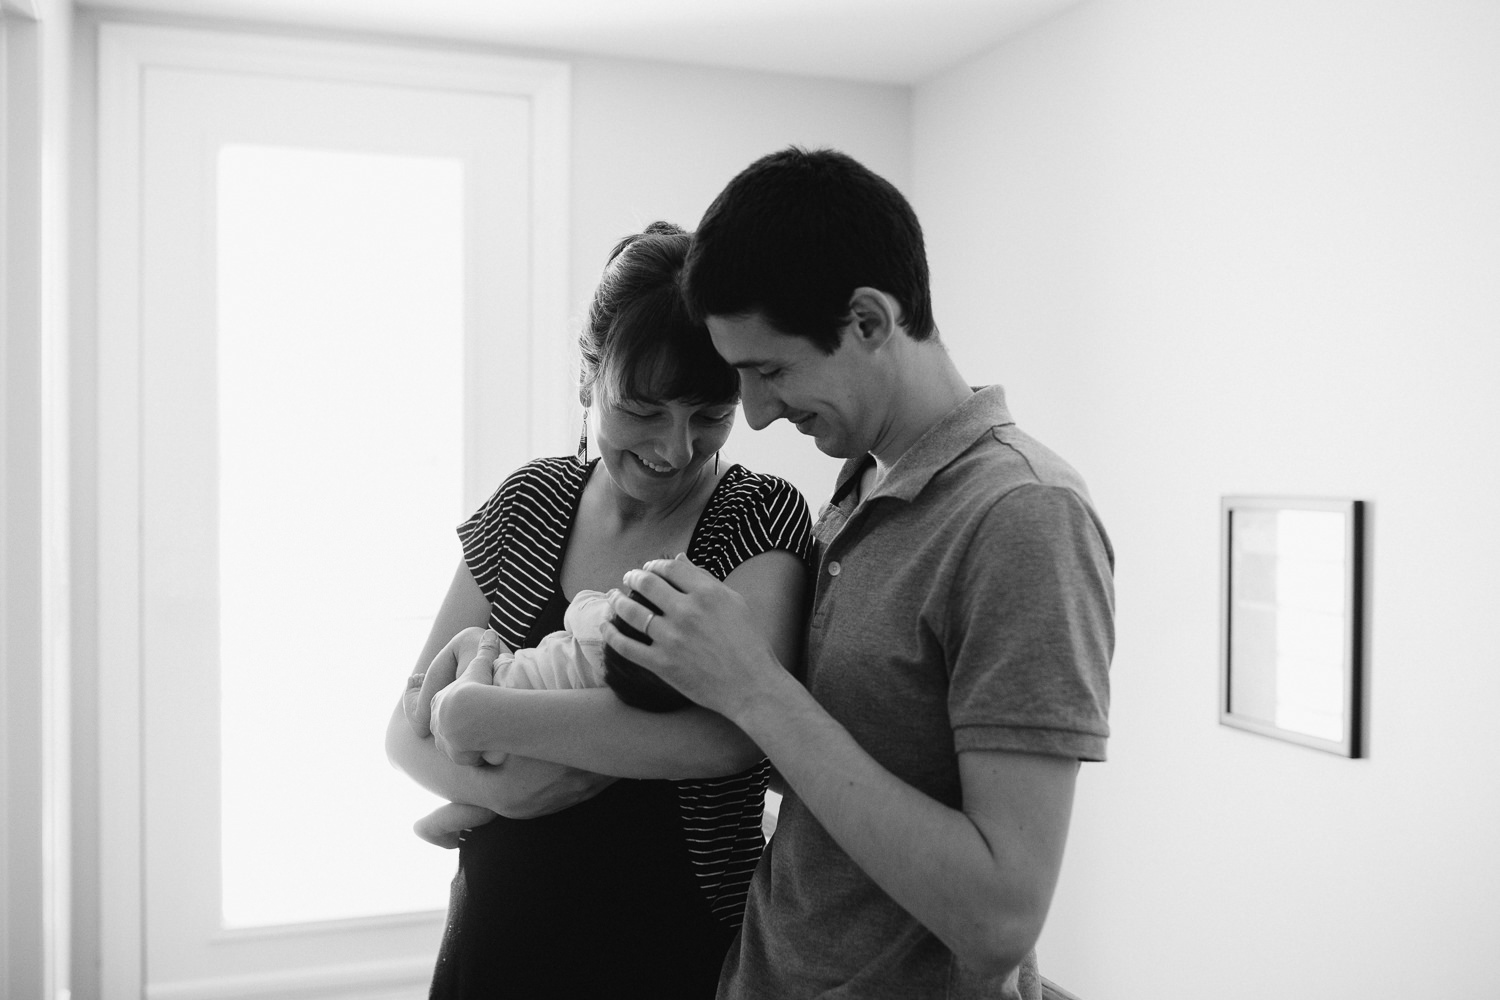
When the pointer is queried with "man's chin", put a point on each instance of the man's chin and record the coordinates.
(828, 445)
(831, 447)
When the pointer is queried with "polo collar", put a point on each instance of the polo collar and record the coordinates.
(935, 450)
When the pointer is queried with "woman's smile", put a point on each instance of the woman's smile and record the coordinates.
(652, 467)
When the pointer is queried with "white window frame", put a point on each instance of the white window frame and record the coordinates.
(125, 52)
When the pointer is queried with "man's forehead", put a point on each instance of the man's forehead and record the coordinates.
(750, 341)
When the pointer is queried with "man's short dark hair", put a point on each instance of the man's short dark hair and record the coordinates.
(795, 234)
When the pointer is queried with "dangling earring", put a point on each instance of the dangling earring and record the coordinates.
(583, 440)
(716, 463)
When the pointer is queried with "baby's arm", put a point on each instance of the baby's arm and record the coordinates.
(443, 825)
(560, 662)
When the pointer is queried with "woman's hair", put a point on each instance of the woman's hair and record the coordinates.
(634, 684)
(640, 341)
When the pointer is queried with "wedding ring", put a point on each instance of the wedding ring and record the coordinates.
(646, 628)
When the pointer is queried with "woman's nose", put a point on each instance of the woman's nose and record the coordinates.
(677, 446)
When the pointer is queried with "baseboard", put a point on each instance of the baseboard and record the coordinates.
(406, 979)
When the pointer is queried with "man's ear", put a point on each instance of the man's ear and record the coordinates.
(874, 317)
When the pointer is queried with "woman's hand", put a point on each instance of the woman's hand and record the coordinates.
(420, 687)
(451, 716)
(463, 650)
(539, 787)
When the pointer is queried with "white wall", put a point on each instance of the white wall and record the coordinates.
(1225, 246)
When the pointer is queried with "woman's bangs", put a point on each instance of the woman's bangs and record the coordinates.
(673, 361)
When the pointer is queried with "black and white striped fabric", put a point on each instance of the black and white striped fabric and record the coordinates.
(514, 546)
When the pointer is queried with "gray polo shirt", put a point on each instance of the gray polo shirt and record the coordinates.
(967, 604)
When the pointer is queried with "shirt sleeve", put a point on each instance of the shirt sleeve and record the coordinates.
(784, 521)
(764, 513)
(482, 535)
(1032, 629)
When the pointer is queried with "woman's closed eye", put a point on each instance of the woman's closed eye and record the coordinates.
(709, 417)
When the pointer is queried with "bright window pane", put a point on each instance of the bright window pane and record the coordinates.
(341, 468)
(1289, 619)
(1310, 623)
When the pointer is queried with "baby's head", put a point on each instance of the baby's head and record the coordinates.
(634, 684)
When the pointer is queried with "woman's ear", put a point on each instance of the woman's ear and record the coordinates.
(873, 316)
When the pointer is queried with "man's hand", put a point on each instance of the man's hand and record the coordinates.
(704, 642)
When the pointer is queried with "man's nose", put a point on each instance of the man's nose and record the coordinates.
(761, 406)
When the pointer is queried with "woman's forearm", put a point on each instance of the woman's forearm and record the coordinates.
(421, 760)
(521, 788)
(595, 731)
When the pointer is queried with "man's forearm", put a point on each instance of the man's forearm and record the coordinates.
(933, 860)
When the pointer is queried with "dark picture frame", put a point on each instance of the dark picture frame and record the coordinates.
(1293, 620)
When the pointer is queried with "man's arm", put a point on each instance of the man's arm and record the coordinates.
(980, 878)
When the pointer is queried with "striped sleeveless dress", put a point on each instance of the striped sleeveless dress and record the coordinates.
(638, 891)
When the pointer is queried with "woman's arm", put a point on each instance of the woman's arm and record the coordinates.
(595, 731)
(519, 788)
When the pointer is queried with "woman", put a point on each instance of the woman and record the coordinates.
(618, 864)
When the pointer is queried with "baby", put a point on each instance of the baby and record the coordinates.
(573, 658)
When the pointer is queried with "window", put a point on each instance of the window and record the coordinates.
(339, 433)
(331, 299)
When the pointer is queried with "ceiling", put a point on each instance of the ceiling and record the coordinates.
(888, 41)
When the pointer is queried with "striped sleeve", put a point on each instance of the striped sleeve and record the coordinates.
(751, 514)
(513, 544)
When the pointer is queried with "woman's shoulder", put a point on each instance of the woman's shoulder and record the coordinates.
(561, 469)
(546, 478)
(546, 486)
(761, 510)
(742, 485)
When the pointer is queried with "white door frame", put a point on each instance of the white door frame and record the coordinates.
(33, 508)
(125, 52)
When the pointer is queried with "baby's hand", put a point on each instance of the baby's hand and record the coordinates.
(480, 668)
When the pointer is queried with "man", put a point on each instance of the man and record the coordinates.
(959, 637)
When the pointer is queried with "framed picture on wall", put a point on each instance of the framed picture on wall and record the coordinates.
(1293, 621)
